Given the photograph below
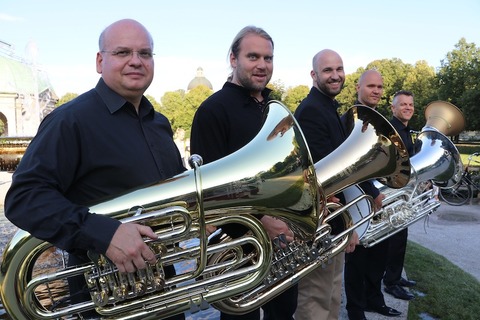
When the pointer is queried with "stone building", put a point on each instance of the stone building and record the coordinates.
(199, 80)
(26, 97)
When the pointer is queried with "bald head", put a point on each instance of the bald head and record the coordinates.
(117, 26)
(370, 76)
(327, 72)
(370, 88)
(125, 59)
(323, 56)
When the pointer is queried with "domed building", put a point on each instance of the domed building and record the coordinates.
(199, 80)
(26, 95)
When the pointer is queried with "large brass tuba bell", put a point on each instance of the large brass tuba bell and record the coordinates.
(444, 117)
(373, 150)
(447, 120)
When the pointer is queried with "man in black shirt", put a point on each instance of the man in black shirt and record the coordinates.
(319, 293)
(364, 268)
(230, 119)
(402, 109)
(105, 142)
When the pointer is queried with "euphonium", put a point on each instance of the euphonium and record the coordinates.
(272, 175)
(436, 161)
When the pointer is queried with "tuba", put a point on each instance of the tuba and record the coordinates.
(372, 150)
(436, 161)
(272, 175)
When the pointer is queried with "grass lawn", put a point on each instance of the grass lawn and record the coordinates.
(443, 290)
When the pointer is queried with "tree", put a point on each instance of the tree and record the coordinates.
(171, 105)
(155, 103)
(458, 79)
(421, 81)
(295, 95)
(66, 98)
(180, 107)
(192, 101)
(278, 90)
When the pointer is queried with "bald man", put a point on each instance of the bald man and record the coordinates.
(319, 293)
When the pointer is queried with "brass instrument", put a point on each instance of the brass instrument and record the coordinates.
(436, 161)
(276, 164)
(372, 150)
(272, 175)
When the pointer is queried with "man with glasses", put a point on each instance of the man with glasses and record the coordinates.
(103, 143)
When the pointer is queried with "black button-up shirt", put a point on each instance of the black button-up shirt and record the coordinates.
(225, 122)
(92, 148)
(404, 132)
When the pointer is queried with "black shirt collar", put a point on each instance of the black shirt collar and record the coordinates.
(246, 93)
(115, 102)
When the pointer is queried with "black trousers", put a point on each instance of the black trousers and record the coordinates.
(364, 269)
(282, 307)
(396, 257)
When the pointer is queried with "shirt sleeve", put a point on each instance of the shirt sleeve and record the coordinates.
(36, 200)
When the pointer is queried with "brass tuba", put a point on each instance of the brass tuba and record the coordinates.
(272, 175)
(372, 150)
(436, 161)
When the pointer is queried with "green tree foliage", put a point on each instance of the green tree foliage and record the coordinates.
(397, 75)
(348, 95)
(155, 103)
(66, 98)
(421, 81)
(172, 106)
(295, 95)
(458, 81)
(180, 107)
(278, 90)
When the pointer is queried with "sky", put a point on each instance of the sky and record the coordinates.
(61, 37)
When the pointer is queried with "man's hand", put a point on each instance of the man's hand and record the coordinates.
(353, 242)
(128, 250)
(378, 202)
(333, 199)
(275, 227)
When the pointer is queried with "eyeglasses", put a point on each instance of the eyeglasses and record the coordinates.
(127, 53)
